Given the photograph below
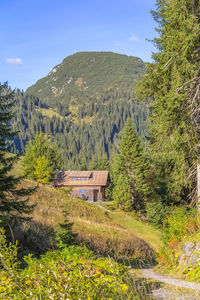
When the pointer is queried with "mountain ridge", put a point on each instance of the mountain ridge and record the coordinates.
(86, 74)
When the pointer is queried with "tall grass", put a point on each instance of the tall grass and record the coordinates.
(104, 232)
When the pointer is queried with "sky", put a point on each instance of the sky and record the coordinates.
(36, 35)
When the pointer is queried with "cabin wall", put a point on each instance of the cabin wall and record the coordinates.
(89, 193)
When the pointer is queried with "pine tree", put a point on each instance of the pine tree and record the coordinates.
(171, 87)
(65, 235)
(13, 201)
(132, 164)
(122, 193)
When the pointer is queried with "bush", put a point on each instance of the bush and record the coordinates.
(156, 213)
(70, 273)
(180, 222)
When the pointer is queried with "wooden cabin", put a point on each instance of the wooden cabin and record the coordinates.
(87, 185)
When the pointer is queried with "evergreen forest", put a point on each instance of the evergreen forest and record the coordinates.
(85, 124)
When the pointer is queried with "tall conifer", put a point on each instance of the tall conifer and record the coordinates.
(132, 164)
(171, 85)
(12, 202)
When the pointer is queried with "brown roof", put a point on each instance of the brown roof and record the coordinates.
(93, 178)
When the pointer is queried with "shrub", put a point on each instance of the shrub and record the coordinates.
(180, 222)
(156, 213)
(70, 273)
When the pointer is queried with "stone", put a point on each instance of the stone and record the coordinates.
(187, 248)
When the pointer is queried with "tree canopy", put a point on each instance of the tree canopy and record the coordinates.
(171, 87)
(41, 159)
(130, 166)
(13, 201)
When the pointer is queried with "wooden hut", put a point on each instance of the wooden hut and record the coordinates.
(87, 185)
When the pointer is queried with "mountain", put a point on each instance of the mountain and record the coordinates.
(82, 104)
(85, 75)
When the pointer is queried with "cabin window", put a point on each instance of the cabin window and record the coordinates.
(74, 178)
(82, 191)
(83, 178)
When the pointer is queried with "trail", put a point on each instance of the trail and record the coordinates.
(150, 274)
(162, 286)
(153, 286)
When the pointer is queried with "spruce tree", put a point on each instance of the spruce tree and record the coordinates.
(132, 164)
(13, 201)
(122, 193)
(65, 235)
(171, 87)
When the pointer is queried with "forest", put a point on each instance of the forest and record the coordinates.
(86, 129)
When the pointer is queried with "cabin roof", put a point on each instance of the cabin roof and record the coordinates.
(80, 174)
(83, 178)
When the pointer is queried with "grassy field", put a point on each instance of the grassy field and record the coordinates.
(107, 232)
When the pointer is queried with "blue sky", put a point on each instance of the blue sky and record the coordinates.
(36, 35)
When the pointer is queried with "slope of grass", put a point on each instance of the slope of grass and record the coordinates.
(115, 233)
(140, 229)
(107, 233)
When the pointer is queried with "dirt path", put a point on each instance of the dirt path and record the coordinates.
(150, 274)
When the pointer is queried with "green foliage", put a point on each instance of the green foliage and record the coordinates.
(181, 243)
(99, 163)
(72, 273)
(122, 194)
(65, 235)
(179, 223)
(43, 169)
(132, 165)
(156, 212)
(172, 84)
(8, 255)
(12, 201)
(41, 159)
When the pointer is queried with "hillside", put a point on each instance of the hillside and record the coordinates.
(102, 229)
(82, 104)
(113, 233)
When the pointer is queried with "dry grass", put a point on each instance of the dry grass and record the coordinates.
(107, 233)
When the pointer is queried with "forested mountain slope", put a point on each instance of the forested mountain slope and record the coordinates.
(83, 104)
(86, 77)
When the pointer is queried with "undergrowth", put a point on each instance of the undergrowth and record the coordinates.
(70, 273)
(181, 230)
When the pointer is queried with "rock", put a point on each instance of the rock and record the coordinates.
(190, 255)
(187, 248)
